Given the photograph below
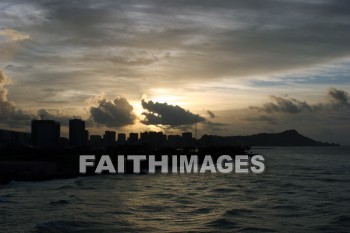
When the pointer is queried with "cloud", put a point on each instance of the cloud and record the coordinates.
(168, 115)
(292, 34)
(338, 106)
(339, 97)
(8, 42)
(116, 113)
(9, 113)
(125, 43)
(56, 115)
(210, 43)
(280, 104)
(211, 114)
(16, 117)
(13, 35)
(4, 80)
(119, 60)
(6, 107)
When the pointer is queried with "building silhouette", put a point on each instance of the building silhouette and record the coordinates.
(187, 139)
(174, 141)
(14, 138)
(77, 134)
(109, 138)
(133, 138)
(45, 133)
(121, 138)
(96, 140)
(153, 139)
(86, 136)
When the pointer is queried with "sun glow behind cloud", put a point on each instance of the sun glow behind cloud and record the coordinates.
(165, 95)
(221, 56)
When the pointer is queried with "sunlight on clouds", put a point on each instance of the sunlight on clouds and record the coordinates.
(8, 43)
(221, 56)
(9, 35)
(161, 95)
(137, 107)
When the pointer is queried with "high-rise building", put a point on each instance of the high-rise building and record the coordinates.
(174, 141)
(207, 140)
(45, 133)
(153, 139)
(109, 138)
(77, 134)
(121, 138)
(86, 137)
(133, 138)
(96, 140)
(187, 139)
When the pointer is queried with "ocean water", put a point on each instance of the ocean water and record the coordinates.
(303, 190)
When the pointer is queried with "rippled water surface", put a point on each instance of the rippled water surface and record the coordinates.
(302, 190)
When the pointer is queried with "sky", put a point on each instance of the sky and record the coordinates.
(234, 67)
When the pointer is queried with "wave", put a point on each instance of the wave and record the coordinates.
(222, 223)
(201, 211)
(60, 202)
(64, 187)
(6, 195)
(6, 201)
(286, 207)
(79, 183)
(223, 190)
(237, 212)
(256, 229)
(60, 226)
(342, 220)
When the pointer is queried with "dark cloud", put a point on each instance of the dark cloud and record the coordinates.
(339, 97)
(284, 105)
(71, 43)
(211, 114)
(291, 34)
(337, 108)
(116, 113)
(168, 115)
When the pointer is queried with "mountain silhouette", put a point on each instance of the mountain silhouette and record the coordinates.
(285, 138)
